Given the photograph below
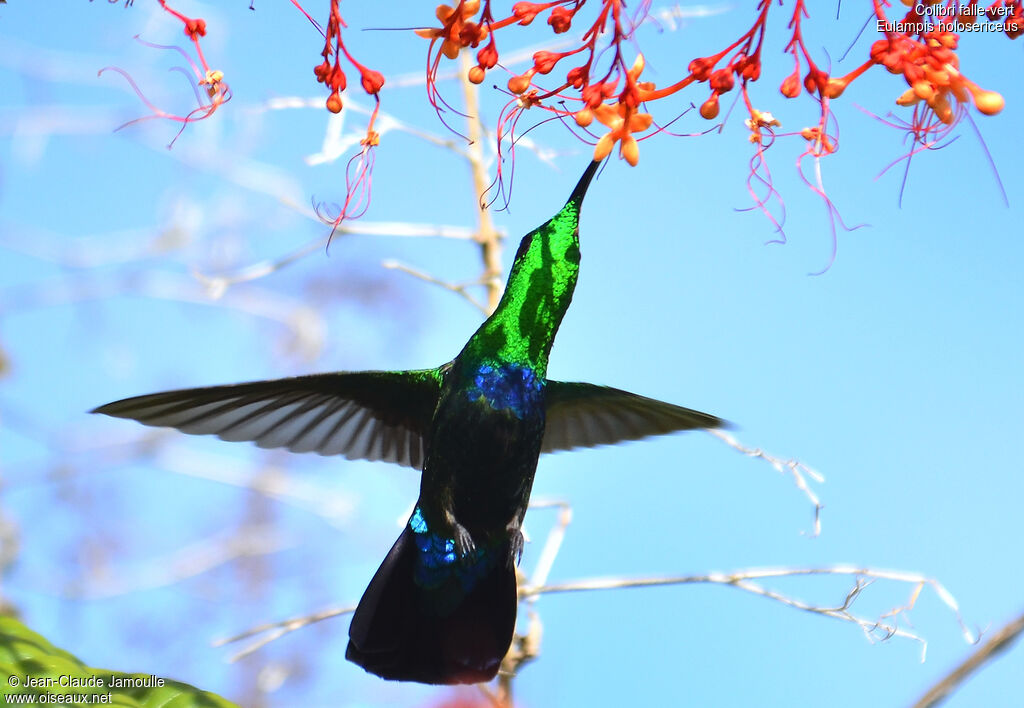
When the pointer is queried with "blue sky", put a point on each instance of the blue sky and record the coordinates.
(896, 373)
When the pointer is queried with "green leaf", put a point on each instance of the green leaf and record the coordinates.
(31, 667)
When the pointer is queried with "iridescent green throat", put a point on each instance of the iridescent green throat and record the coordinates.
(522, 328)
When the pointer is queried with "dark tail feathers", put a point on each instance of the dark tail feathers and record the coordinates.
(404, 632)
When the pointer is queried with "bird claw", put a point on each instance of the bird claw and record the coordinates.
(464, 545)
(515, 547)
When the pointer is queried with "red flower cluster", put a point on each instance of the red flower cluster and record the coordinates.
(600, 75)
(212, 80)
(330, 72)
(927, 61)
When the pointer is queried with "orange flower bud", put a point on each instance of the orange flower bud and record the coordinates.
(334, 102)
(940, 78)
(525, 12)
(195, 28)
(722, 80)
(709, 109)
(835, 87)
(476, 75)
(487, 57)
(518, 84)
(372, 81)
(959, 90)
(940, 104)
(908, 98)
(583, 117)
(544, 61)
(701, 68)
(560, 20)
(988, 102)
(790, 87)
(923, 90)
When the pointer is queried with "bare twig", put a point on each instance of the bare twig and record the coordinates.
(218, 283)
(996, 644)
(273, 483)
(304, 323)
(526, 646)
(459, 289)
(884, 627)
(195, 559)
(799, 471)
(275, 630)
(553, 543)
(335, 142)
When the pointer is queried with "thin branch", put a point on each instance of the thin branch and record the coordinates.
(276, 630)
(220, 282)
(331, 148)
(798, 470)
(452, 287)
(553, 543)
(303, 322)
(882, 628)
(193, 560)
(177, 457)
(997, 643)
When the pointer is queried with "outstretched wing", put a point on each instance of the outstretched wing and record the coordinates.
(369, 415)
(585, 415)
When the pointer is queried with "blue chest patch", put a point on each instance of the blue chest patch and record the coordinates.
(438, 561)
(507, 387)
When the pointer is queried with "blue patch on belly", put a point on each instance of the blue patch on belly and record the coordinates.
(438, 562)
(507, 387)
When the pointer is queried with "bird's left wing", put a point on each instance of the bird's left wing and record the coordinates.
(369, 415)
(585, 415)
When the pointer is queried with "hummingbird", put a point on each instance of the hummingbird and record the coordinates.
(441, 609)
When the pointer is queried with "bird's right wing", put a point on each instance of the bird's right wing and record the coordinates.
(585, 415)
(368, 415)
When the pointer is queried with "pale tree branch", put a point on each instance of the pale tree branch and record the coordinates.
(996, 644)
(336, 142)
(276, 630)
(884, 627)
(459, 289)
(188, 562)
(526, 645)
(304, 323)
(798, 470)
(271, 482)
(170, 452)
(220, 282)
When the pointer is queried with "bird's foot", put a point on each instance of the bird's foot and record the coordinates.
(464, 545)
(515, 544)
